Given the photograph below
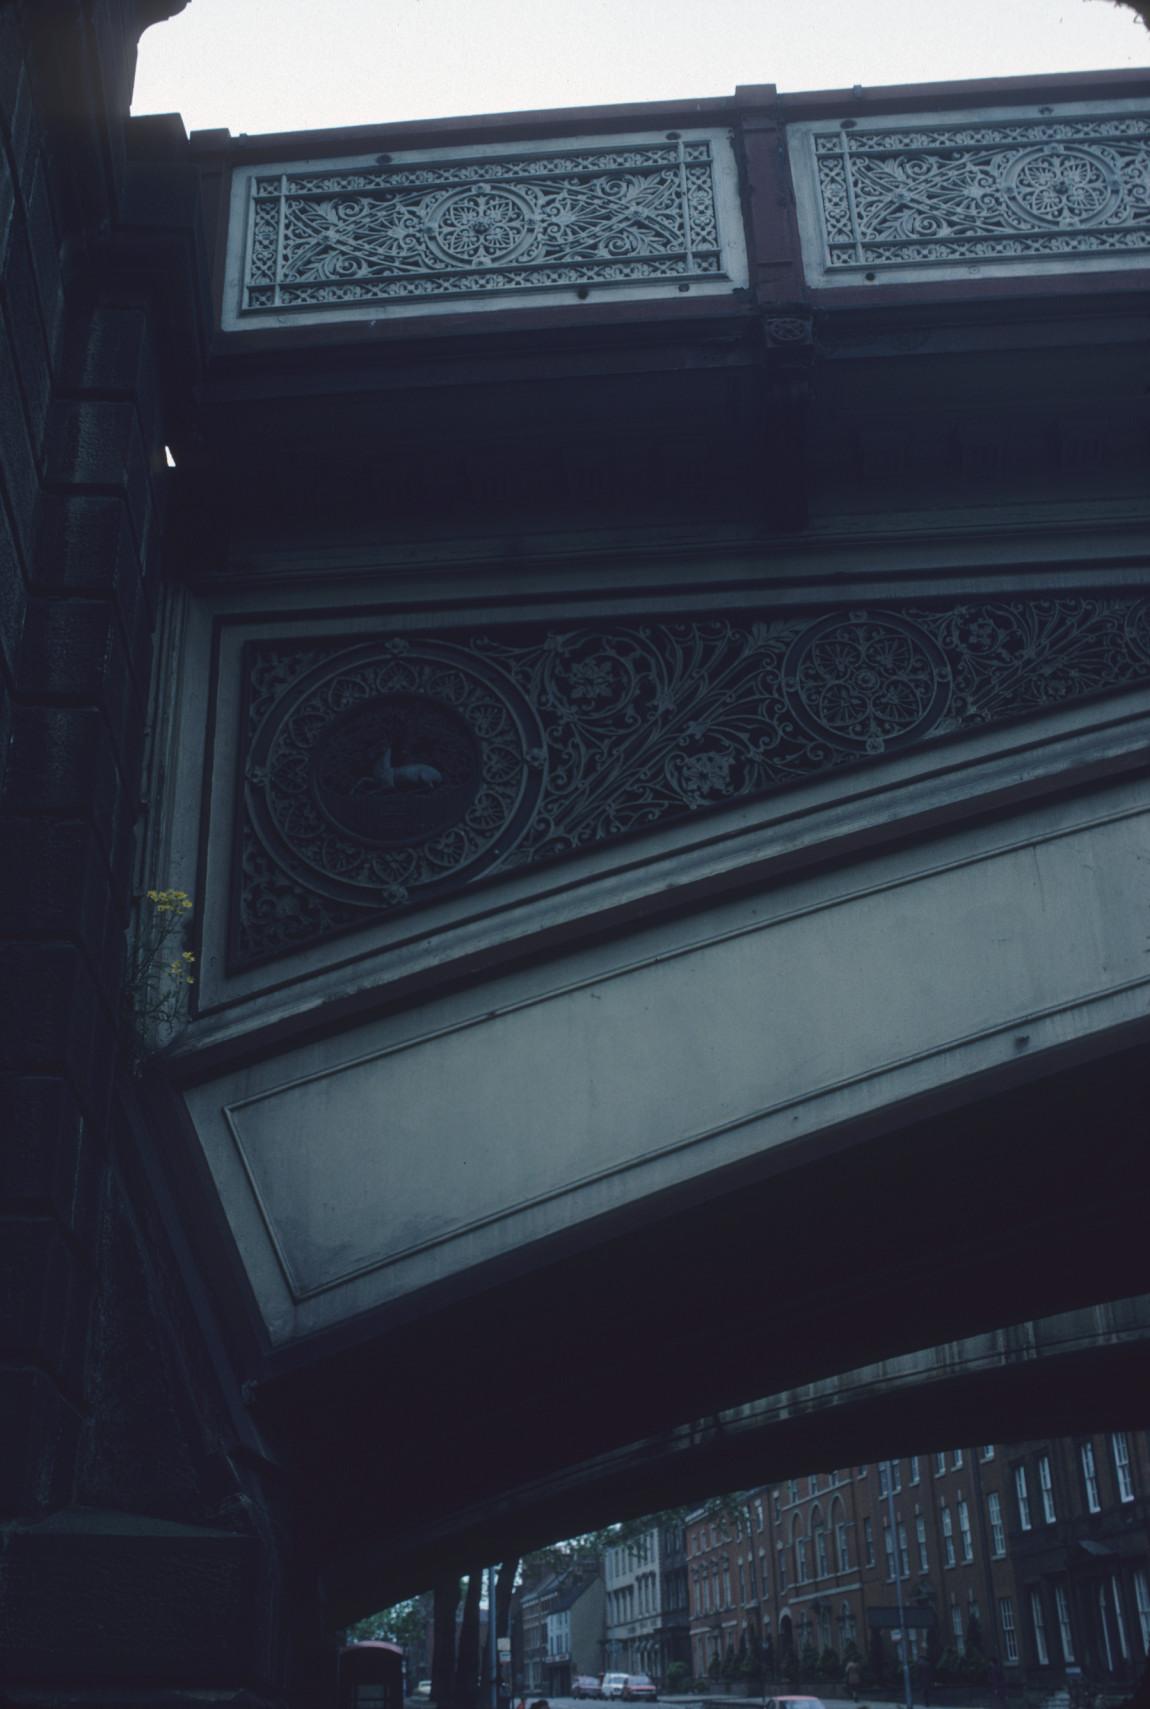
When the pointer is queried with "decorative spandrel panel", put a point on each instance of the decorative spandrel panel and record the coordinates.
(958, 196)
(436, 230)
(384, 772)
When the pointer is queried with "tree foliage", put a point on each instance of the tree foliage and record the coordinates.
(1141, 8)
(405, 1623)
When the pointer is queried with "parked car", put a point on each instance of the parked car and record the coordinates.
(586, 1685)
(640, 1688)
(613, 1684)
(423, 1689)
(795, 1703)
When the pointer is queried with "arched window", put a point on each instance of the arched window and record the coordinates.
(819, 1541)
(799, 1544)
(839, 1529)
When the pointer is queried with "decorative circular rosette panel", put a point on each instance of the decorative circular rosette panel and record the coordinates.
(482, 226)
(391, 772)
(1062, 186)
(866, 682)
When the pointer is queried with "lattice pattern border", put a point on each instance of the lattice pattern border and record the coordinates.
(967, 192)
(343, 237)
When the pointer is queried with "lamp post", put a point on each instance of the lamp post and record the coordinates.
(898, 1591)
(492, 1653)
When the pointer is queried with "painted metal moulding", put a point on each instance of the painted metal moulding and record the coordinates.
(431, 231)
(993, 193)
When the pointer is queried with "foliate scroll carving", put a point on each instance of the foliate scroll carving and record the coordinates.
(1002, 190)
(383, 773)
(343, 234)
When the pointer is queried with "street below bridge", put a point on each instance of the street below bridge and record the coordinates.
(801, 1699)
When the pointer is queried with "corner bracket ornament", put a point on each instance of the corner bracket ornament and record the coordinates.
(379, 776)
(789, 328)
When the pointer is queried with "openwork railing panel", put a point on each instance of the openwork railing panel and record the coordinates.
(958, 195)
(326, 240)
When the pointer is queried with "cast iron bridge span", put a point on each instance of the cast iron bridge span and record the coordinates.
(656, 733)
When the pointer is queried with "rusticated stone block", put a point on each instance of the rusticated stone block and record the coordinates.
(38, 1429)
(54, 882)
(12, 593)
(59, 1025)
(21, 478)
(28, 334)
(62, 762)
(69, 648)
(44, 1132)
(111, 354)
(96, 443)
(11, 66)
(43, 1299)
(21, 121)
(7, 200)
(5, 730)
(45, 248)
(111, 1597)
(86, 543)
(74, 650)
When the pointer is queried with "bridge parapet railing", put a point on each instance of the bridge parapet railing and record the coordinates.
(1005, 191)
(758, 197)
(545, 222)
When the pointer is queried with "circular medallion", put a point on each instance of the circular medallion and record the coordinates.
(395, 771)
(481, 226)
(1062, 186)
(866, 682)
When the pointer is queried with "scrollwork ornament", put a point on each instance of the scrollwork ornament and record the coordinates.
(995, 190)
(344, 233)
(380, 775)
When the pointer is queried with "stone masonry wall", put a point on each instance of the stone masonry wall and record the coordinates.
(138, 1552)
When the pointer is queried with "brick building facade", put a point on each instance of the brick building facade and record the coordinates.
(1078, 1530)
(727, 1573)
(1037, 1554)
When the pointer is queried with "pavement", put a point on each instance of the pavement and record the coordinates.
(718, 1700)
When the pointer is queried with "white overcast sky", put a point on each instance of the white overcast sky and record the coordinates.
(270, 65)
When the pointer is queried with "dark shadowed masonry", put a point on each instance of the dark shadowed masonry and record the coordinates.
(627, 698)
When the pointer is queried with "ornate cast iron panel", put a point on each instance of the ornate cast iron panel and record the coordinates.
(347, 237)
(1056, 187)
(381, 774)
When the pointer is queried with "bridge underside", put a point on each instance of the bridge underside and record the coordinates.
(645, 709)
(503, 1429)
(664, 789)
